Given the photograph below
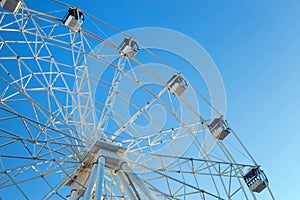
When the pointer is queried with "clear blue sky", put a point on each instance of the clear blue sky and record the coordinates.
(256, 47)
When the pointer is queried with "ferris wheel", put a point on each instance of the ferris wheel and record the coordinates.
(82, 116)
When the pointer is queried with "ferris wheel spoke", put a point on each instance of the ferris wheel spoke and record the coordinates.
(180, 190)
(197, 190)
(4, 26)
(111, 92)
(16, 115)
(25, 178)
(42, 14)
(39, 175)
(43, 145)
(138, 113)
(236, 170)
(223, 168)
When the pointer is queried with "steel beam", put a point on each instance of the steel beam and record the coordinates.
(136, 179)
(125, 185)
(99, 178)
(90, 185)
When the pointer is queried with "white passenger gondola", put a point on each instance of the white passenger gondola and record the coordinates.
(128, 48)
(218, 128)
(256, 179)
(73, 19)
(11, 5)
(177, 84)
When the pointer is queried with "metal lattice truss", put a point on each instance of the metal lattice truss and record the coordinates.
(49, 118)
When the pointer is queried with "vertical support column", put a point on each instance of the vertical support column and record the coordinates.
(90, 185)
(99, 178)
(139, 182)
(125, 185)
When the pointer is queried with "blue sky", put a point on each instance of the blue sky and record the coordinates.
(256, 47)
